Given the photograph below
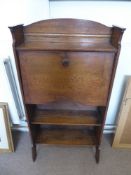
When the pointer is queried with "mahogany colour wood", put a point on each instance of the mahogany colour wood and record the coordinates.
(67, 26)
(59, 81)
(68, 60)
(66, 117)
(66, 136)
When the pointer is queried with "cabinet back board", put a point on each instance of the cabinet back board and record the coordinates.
(67, 26)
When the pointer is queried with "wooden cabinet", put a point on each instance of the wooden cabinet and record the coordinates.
(66, 69)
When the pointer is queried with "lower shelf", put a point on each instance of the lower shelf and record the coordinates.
(65, 136)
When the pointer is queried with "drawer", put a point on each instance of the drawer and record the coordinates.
(82, 77)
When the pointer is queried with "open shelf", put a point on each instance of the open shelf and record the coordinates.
(66, 117)
(65, 136)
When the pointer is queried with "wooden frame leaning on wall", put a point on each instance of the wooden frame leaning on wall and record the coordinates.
(6, 141)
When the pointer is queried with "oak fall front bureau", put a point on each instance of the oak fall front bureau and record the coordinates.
(66, 69)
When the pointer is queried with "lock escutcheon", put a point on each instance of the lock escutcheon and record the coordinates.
(65, 60)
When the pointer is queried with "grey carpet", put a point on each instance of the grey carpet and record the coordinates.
(58, 160)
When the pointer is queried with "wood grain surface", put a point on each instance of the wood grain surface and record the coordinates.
(66, 117)
(70, 60)
(86, 79)
(65, 136)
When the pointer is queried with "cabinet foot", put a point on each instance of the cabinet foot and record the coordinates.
(34, 154)
(97, 155)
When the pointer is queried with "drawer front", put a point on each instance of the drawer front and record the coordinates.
(83, 77)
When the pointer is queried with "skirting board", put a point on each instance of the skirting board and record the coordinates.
(107, 129)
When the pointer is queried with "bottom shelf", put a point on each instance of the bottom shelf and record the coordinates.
(65, 136)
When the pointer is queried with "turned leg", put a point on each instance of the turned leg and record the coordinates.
(97, 155)
(34, 154)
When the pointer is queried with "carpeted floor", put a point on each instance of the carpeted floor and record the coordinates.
(58, 160)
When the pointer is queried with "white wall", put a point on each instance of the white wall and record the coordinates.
(15, 12)
(109, 13)
(27, 11)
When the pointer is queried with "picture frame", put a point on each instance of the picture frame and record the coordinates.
(122, 137)
(6, 141)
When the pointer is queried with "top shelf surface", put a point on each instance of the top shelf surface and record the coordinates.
(66, 46)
